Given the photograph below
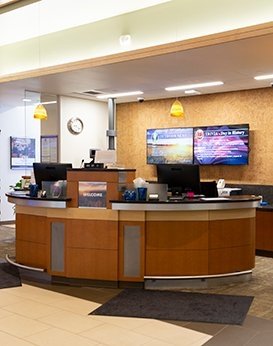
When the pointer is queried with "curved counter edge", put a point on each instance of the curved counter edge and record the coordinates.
(252, 202)
(37, 202)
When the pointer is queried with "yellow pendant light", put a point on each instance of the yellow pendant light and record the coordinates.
(177, 109)
(40, 112)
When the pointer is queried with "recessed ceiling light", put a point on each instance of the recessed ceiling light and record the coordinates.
(130, 93)
(26, 100)
(192, 92)
(265, 76)
(192, 86)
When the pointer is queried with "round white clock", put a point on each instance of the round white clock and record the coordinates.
(75, 126)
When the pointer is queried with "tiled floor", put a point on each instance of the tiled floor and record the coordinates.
(58, 315)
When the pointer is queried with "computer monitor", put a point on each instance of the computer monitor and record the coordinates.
(49, 172)
(209, 188)
(105, 156)
(179, 178)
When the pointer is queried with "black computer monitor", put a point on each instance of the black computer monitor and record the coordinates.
(209, 188)
(49, 172)
(180, 178)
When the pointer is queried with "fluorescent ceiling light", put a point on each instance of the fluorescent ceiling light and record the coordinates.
(192, 92)
(130, 93)
(48, 102)
(26, 100)
(265, 76)
(192, 86)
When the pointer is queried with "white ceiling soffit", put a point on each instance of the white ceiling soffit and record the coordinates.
(235, 63)
(48, 16)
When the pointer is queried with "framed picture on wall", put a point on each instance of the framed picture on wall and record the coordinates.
(22, 152)
(49, 148)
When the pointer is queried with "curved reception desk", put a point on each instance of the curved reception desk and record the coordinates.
(119, 243)
(190, 239)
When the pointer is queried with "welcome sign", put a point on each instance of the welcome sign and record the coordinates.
(92, 194)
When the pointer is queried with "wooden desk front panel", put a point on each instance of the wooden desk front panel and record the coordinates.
(176, 248)
(231, 245)
(116, 182)
(264, 230)
(32, 238)
(92, 249)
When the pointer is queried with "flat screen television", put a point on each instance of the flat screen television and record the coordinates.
(221, 145)
(170, 145)
(179, 178)
(49, 172)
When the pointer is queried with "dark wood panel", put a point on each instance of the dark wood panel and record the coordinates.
(234, 259)
(92, 264)
(264, 230)
(107, 176)
(176, 262)
(112, 193)
(73, 192)
(31, 228)
(92, 234)
(31, 254)
(230, 233)
(177, 235)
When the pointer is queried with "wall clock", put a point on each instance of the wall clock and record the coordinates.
(75, 125)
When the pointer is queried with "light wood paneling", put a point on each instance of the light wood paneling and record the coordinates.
(176, 262)
(232, 214)
(31, 254)
(94, 234)
(231, 233)
(197, 215)
(92, 264)
(176, 235)
(233, 259)
(132, 215)
(176, 248)
(70, 213)
(31, 228)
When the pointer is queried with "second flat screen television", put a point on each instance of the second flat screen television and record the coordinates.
(221, 145)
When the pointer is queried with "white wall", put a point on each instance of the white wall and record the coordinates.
(16, 120)
(94, 115)
(169, 22)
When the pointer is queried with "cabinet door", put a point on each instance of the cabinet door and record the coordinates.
(264, 230)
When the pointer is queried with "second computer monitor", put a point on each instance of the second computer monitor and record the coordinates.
(179, 178)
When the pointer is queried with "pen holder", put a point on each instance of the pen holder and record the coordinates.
(33, 190)
(142, 193)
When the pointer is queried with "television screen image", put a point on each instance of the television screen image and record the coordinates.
(170, 145)
(221, 145)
